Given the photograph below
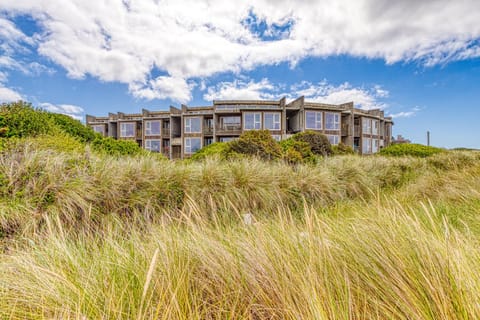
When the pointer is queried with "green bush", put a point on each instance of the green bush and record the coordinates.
(257, 143)
(342, 149)
(219, 149)
(114, 147)
(410, 149)
(297, 151)
(20, 119)
(73, 127)
(318, 142)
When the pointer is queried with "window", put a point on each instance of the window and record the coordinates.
(252, 121)
(152, 128)
(375, 144)
(207, 141)
(127, 129)
(313, 120)
(366, 145)
(99, 128)
(333, 139)
(366, 126)
(152, 145)
(227, 139)
(374, 126)
(192, 145)
(332, 121)
(277, 137)
(272, 121)
(193, 125)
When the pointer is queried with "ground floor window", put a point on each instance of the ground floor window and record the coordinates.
(152, 145)
(366, 145)
(192, 145)
(333, 139)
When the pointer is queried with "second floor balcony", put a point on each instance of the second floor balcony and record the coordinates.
(231, 128)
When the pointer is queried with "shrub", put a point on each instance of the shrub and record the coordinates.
(73, 127)
(257, 143)
(318, 142)
(297, 151)
(114, 147)
(219, 149)
(20, 119)
(410, 149)
(342, 149)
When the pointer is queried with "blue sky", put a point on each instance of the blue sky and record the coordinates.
(418, 62)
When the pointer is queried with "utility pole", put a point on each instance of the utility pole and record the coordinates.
(428, 138)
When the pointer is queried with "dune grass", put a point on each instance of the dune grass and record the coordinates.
(97, 237)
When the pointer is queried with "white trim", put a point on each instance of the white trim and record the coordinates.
(275, 122)
(255, 120)
(188, 144)
(188, 128)
(336, 120)
(123, 129)
(318, 120)
(148, 128)
(148, 144)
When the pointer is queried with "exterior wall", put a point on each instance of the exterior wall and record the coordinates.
(216, 124)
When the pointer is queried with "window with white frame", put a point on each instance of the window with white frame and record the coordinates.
(152, 128)
(333, 139)
(313, 120)
(272, 121)
(277, 137)
(127, 129)
(366, 126)
(332, 121)
(152, 145)
(193, 125)
(374, 126)
(99, 128)
(375, 145)
(366, 145)
(192, 145)
(252, 121)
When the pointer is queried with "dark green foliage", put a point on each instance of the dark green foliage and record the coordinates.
(257, 143)
(20, 119)
(55, 131)
(73, 127)
(219, 149)
(114, 147)
(410, 149)
(342, 149)
(318, 142)
(297, 151)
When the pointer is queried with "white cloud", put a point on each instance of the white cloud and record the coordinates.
(322, 92)
(405, 114)
(124, 41)
(242, 90)
(162, 88)
(9, 95)
(73, 111)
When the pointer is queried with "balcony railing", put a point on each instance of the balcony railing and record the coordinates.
(166, 151)
(345, 129)
(207, 130)
(166, 132)
(229, 128)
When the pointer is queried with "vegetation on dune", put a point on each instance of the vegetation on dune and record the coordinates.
(20, 120)
(410, 149)
(87, 232)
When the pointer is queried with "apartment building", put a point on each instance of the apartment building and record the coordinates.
(178, 133)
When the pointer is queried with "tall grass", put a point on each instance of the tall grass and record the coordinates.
(96, 237)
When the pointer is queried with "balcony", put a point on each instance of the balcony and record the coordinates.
(207, 130)
(357, 131)
(166, 132)
(229, 129)
(166, 151)
(345, 129)
(177, 141)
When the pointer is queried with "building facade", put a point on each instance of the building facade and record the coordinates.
(178, 133)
